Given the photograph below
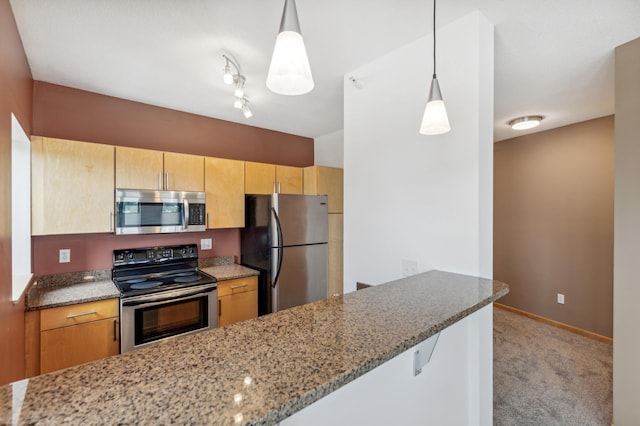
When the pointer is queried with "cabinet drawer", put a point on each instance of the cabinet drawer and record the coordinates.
(80, 313)
(240, 285)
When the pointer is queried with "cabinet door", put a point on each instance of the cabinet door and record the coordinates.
(183, 172)
(224, 185)
(289, 179)
(259, 178)
(336, 253)
(237, 300)
(72, 187)
(68, 346)
(321, 180)
(138, 168)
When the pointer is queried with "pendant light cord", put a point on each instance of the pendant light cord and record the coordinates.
(434, 38)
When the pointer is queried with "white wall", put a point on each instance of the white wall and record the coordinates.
(448, 391)
(626, 257)
(415, 197)
(328, 150)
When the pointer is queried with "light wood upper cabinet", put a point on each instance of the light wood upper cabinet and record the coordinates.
(72, 187)
(289, 179)
(321, 180)
(224, 186)
(148, 169)
(139, 168)
(262, 178)
(259, 178)
(185, 172)
(237, 300)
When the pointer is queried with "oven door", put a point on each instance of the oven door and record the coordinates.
(152, 318)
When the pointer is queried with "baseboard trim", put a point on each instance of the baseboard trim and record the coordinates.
(576, 330)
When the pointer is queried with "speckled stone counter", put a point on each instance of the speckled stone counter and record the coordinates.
(255, 372)
(50, 291)
(229, 272)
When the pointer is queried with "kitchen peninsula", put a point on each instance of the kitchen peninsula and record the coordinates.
(278, 367)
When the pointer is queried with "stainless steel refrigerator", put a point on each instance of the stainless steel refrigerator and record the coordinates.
(286, 238)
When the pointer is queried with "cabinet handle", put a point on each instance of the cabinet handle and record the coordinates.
(233, 287)
(166, 186)
(207, 220)
(115, 326)
(111, 222)
(275, 187)
(279, 187)
(81, 314)
(219, 307)
(160, 180)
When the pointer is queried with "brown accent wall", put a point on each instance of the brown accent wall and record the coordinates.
(67, 113)
(91, 252)
(15, 97)
(553, 223)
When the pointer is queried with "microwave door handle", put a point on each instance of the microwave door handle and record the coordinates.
(185, 216)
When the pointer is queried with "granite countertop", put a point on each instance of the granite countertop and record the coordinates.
(255, 372)
(229, 272)
(50, 291)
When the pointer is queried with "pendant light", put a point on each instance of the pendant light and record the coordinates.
(434, 120)
(289, 72)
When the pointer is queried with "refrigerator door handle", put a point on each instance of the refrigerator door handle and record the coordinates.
(279, 246)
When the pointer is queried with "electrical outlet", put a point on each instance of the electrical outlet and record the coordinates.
(64, 256)
(409, 267)
(561, 298)
(205, 244)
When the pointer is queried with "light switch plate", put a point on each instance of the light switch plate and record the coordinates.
(561, 298)
(205, 244)
(64, 256)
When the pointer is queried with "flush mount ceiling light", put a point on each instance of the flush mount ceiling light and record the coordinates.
(289, 72)
(526, 122)
(238, 80)
(434, 120)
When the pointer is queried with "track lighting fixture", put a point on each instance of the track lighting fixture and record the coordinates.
(238, 80)
(239, 90)
(435, 120)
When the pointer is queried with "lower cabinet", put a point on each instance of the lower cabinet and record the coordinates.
(237, 300)
(62, 337)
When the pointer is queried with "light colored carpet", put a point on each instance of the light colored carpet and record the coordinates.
(543, 375)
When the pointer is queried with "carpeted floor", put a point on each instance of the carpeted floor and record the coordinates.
(547, 376)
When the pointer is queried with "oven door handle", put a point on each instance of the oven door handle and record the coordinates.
(168, 299)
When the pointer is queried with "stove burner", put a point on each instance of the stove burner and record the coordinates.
(135, 281)
(187, 279)
(145, 285)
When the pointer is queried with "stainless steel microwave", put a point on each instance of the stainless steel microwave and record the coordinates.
(159, 212)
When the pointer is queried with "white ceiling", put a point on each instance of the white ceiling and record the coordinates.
(552, 57)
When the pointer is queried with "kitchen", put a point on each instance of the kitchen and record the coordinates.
(80, 131)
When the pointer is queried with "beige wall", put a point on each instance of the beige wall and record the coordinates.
(553, 223)
(626, 346)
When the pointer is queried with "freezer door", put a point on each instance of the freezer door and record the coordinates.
(302, 277)
(303, 219)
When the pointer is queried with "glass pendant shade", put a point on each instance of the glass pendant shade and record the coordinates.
(435, 120)
(289, 72)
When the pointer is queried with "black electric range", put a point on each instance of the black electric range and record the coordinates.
(149, 270)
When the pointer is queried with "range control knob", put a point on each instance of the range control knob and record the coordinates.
(184, 251)
(120, 256)
(130, 255)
